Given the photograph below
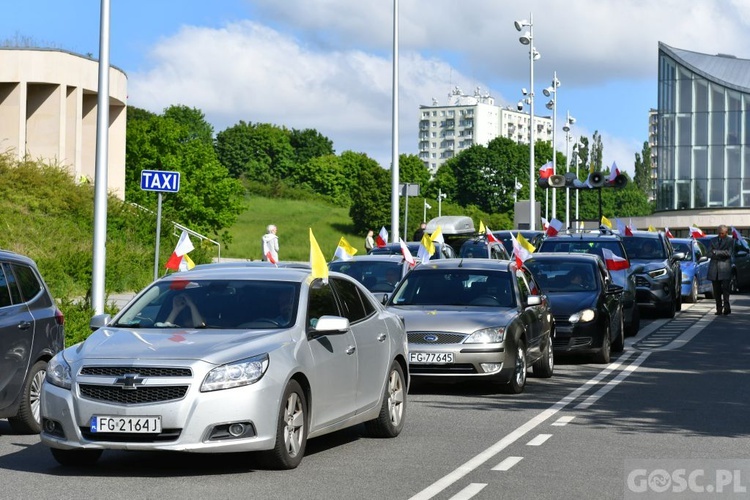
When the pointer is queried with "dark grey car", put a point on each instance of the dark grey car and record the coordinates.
(31, 332)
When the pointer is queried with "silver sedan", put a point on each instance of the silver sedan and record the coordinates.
(229, 359)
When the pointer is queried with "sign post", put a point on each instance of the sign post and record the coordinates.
(407, 190)
(161, 182)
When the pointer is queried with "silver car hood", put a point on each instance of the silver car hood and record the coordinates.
(459, 319)
(212, 346)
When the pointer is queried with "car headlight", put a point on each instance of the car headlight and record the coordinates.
(486, 336)
(583, 316)
(236, 374)
(59, 372)
(658, 273)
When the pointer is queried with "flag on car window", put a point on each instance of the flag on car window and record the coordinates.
(481, 227)
(179, 260)
(426, 249)
(651, 229)
(406, 253)
(606, 222)
(623, 228)
(554, 227)
(696, 232)
(525, 243)
(545, 224)
(437, 235)
(381, 239)
(668, 232)
(520, 252)
(344, 251)
(613, 262)
(317, 260)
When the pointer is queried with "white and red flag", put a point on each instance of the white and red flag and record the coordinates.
(490, 237)
(696, 232)
(668, 232)
(613, 173)
(406, 253)
(179, 260)
(554, 227)
(381, 239)
(521, 252)
(614, 262)
(624, 229)
(546, 170)
(545, 224)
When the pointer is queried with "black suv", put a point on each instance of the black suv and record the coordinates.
(31, 332)
(595, 242)
(479, 248)
(659, 284)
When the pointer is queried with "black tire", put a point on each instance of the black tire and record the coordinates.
(692, 297)
(291, 430)
(635, 323)
(28, 419)
(734, 286)
(544, 367)
(619, 344)
(76, 458)
(517, 380)
(678, 298)
(605, 352)
(669, 310)
(390, 421)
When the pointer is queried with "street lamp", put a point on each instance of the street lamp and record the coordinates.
(569, 120)
(441, 197)
(551, 91)
(528, 39)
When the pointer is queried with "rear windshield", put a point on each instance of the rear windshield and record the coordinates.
(583, 246)
(377, 276)
(563, 276)
(643, 248)
(456, 287)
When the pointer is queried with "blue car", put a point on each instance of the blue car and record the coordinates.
(694, 268)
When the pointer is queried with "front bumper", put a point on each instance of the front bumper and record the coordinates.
(470, 361)
(577, 338)
(653, 293)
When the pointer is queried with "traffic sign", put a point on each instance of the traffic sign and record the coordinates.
(161, 181)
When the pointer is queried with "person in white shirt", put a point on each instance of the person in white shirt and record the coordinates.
(270, 244)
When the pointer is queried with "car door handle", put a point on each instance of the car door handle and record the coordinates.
(382, 337)
(24, 325)
(350, 349)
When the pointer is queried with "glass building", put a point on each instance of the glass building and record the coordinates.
(703, 130)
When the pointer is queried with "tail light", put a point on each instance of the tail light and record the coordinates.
(59, 317)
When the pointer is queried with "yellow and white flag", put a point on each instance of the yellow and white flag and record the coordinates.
(317, 260)
(344, 251)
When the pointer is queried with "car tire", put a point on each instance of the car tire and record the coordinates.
(669, 309)
(517, 380)
(678, 298)
(390, 421)
(635, 322)
(544, 367)
(76, 458)
(619, 344)
(28, 420)
(291, 430)
(734, 286)
(692, 297)
(605, 352)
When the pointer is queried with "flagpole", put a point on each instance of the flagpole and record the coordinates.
(395, 204)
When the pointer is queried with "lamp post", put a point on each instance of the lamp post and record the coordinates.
(551, 91)
(569, 120)
(426, 207)
(528, 39)
(441, 197)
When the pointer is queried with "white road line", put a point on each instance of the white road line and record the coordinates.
(614, 382)
(469, 491)
(563, 421)
(506, 464)
(539, 440)
(462, 470)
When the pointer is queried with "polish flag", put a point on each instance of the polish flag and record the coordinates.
(624, 229)
(520, 253)
(613, 172)
(668, 232)
(381, 239)
(491, 237)
(614, 263)
(546, 170)
(406, 253)
(695, 232)
(545, 224)
(554, 227)
(179, 261)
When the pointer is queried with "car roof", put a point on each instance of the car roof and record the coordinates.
(472, 264)
(8, 255)
(381, 257)
(261, 273)
(584, 236)
(579, 257)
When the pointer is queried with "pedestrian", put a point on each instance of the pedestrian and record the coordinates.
(369, 241)
(720, 269)
(420, 232)
(270, 245)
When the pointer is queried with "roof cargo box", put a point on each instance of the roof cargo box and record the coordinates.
(451, 225)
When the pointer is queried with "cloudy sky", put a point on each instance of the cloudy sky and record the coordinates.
(327, 64)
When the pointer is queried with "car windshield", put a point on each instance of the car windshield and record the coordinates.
(224, 304)
(377, 276)
(562, 276)
(569, 245)
(456, 287)
(643, 248)
(684, 248)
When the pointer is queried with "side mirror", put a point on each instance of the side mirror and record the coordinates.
(533, 300)
(99, 321)
(703, 258)
(678, 256)
(330, 325)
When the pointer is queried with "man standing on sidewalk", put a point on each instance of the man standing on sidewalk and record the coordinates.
(720, 269)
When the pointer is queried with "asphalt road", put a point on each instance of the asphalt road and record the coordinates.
(677, 399)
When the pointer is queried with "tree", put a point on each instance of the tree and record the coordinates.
(326, 176)
(260, 152)
(309, 144)
(194, 121)
(642, 176)
(597, 153)
(209, 200)
(371, 195)
(478, 180)
(412, 170)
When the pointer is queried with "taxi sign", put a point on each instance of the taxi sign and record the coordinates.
(159, 180)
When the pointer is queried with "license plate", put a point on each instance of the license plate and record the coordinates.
(129, 425)
(437, 358)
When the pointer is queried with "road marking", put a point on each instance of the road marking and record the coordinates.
(506, 464)
(469, 491)
(613, 383)
(563, 420)
(475, 462)
(539, 440)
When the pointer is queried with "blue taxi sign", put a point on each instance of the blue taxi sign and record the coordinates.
(159, 180)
